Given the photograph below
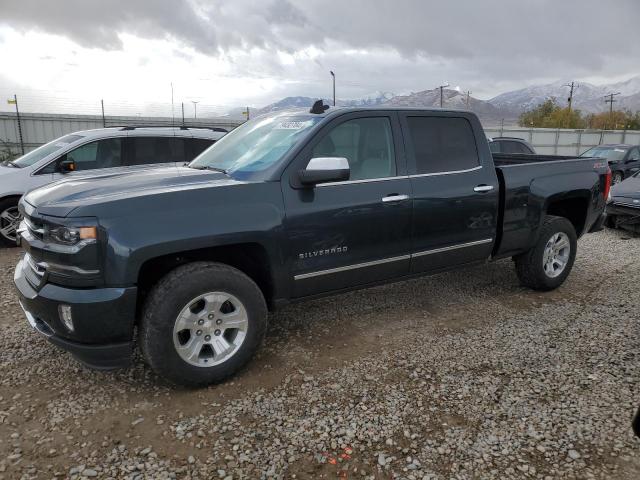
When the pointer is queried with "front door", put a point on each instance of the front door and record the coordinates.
(353, 232)
(455, 190)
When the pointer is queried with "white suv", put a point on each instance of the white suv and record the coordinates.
(93, 152)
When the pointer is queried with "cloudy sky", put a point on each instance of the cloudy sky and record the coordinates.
(246, 52)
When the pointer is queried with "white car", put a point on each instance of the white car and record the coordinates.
(94, 152)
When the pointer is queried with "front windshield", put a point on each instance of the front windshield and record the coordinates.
(610, 153)
(255, 145)
(47, 149)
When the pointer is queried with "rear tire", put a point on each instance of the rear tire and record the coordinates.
(548, 264)
(198, 301)
(9, 220)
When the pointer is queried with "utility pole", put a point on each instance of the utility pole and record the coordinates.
(173, 116)
(15, 102)
(333, 76)
(441, 87)
(572, 86)
(609, 99)
(104, 122)
(195, 108)
(182, 105)
(468, 95)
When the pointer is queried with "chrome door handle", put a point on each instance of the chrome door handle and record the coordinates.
(395, 198)
(483, 188)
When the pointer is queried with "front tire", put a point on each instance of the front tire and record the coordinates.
(9, 221)
(548, 264)
(201, 323)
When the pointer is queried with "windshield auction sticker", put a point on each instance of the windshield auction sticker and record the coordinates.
(292, 125)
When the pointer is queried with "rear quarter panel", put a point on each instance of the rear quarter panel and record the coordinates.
(531, 188)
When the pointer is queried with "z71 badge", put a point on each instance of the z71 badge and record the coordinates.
(319, 253)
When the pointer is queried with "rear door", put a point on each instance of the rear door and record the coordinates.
(455, 190)
(354, 232)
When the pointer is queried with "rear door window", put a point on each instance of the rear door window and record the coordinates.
(153, 150)
(442, 144)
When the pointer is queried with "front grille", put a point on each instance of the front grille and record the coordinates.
(33, 271)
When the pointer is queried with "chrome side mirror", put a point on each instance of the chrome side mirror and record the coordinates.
(325, 169)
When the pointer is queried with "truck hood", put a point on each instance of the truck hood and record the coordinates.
(60, 198)
(630, 188)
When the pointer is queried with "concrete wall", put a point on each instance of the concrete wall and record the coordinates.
(565, 142)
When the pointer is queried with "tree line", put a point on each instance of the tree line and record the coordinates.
(551, 115)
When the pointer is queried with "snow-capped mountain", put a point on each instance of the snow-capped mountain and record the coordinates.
(587, 97)
(505, 107)
(286, 103)
(450, 99)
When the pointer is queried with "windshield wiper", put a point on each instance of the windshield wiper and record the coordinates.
(216, 169)
(206, 167)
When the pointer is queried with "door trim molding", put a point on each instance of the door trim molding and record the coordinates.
(452, 247)
(355, 266)
(302, 276)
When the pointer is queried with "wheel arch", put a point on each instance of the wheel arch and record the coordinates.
(574, 208)
(251, 258)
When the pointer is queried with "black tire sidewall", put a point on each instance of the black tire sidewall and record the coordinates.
(556, 225)
(173, 293)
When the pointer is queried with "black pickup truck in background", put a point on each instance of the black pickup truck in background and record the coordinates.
(289, 206)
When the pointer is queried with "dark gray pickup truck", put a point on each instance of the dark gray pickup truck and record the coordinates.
(287, 207)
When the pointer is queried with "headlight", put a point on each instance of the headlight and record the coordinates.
(70, 235)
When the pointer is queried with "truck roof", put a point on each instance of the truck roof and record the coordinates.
(336, 110)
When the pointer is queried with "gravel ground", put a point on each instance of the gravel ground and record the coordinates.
(461, 375)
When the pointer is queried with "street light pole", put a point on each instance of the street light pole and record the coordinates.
(333, 76)
(441, 87)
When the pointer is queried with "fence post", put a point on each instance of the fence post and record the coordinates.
(104, 123)
(624, 135)
(579, 142)
(555, 148)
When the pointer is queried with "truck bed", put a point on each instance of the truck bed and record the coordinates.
(507, 159)
(525, 185)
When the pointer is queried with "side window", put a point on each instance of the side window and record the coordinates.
(151, 150)
(635, 154)
(494, 147)
(105, 153)
(197, 146)
(367, 143)
(442, 144)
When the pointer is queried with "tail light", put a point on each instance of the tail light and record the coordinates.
(607, 185)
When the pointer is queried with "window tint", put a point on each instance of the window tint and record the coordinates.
(105, 153)
(494, 147)
(150, 150)
(635, 154)
(442, 144)
(198, 145)
(367, 143)
(514, 147)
